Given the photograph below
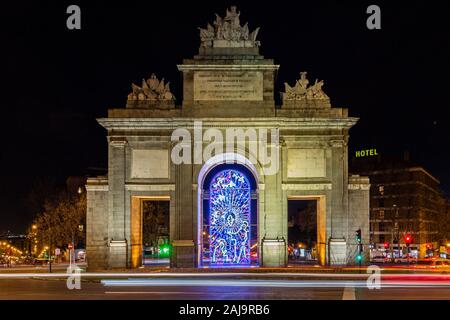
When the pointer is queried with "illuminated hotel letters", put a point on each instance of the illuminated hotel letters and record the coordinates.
(366, 153)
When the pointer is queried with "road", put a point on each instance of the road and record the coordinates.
(320, 287)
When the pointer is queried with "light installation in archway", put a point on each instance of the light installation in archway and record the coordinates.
(229, 218)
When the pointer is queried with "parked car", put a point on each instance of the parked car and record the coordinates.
(434, 263)
(410, 260)
(40, 261)
(380, 259)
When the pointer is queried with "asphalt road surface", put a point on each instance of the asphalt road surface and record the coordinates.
(204, 289)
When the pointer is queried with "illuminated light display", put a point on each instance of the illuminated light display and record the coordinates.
(229, 218)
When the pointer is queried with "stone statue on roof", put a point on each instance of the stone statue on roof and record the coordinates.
(228, 32)
(151, 89)
(301, 91)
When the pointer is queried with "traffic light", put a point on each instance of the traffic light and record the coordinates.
(164, 250)
(408, 238)
(358, 236)
(386, 244)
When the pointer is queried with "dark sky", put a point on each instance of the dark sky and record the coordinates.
(55, 81)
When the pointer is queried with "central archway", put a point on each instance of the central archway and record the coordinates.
(228, 216)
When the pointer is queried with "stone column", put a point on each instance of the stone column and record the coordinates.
(183, 238)
(274, 252)
(118, 253)
(339, 204)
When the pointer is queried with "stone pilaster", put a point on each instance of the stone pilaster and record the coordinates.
(339, 205)
(117, 171)
(274, 240)
(183, 255)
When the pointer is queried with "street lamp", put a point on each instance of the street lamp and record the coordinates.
(394, 229)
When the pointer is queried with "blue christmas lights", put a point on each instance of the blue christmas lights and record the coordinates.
(229, 219)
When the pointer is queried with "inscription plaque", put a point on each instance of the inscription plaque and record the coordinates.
(228, 85)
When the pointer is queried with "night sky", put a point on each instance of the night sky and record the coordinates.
(56, 81)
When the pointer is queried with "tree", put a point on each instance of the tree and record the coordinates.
(58, 224)
(155, 218)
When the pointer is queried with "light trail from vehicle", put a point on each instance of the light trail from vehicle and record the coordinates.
(422, 276)
(265, 283)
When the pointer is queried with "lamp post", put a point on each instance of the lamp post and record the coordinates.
(81, 238)
(70, 247)
(50, 257)
(33, 241)
(392, 233)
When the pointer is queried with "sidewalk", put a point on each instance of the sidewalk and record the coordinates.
(262, 270)
(40, 268)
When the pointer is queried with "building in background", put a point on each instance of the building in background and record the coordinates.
(404, 199)
(76, 183)
(446, 224)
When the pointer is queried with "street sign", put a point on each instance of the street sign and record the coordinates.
(57, 252)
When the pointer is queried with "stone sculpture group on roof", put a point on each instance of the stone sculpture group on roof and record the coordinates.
(301, 91)
(228, 28)
(151, 89)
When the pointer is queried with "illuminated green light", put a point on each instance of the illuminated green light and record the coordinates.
(164, 250)
(358, 257)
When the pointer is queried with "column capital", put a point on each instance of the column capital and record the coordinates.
(337, 143)
(117, 142)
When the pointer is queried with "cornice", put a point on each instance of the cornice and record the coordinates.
(188, 123)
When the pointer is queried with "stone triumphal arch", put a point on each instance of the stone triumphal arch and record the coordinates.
(230, 207)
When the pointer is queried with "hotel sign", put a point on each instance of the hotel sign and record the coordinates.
(366, 153)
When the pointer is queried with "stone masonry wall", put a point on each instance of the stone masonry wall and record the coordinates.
(97, 226)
